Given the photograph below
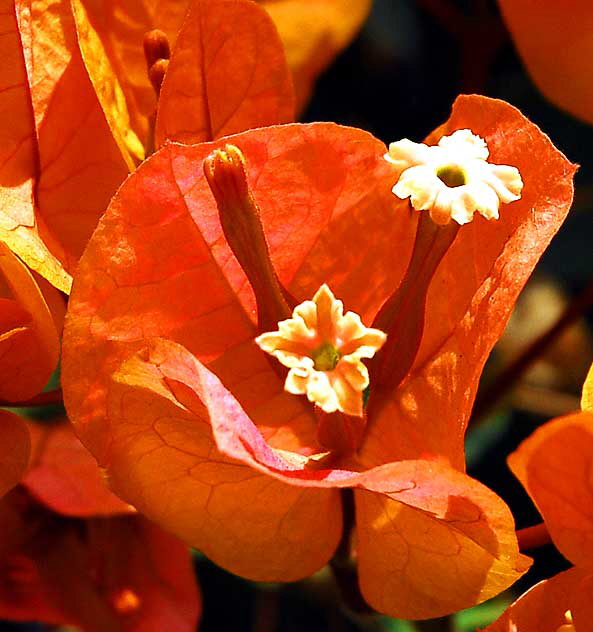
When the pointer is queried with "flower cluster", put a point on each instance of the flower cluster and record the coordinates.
(255, 329)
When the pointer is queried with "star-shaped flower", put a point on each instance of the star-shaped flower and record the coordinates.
(453, 180)
(323, 347)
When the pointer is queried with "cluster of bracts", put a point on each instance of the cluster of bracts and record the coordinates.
(258, 323)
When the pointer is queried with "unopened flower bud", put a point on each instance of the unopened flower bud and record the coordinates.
(240, 219)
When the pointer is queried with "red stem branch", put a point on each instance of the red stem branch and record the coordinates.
(43, 399)
(533, 537)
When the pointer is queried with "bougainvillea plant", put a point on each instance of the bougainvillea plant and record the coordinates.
(275, 331)
(208, 246)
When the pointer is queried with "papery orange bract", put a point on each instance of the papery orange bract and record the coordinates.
(471, 529)
(227, 469)
(14, 450)
(107, 87)
(220, 40)
(542, 608)
(554, 467)
(64, 476)
(118, 573)
(313, 33)
(29, 334)
(290, 180)
(555, 41)
(120, 26)
(56, 118)
(74, 184)
(20, 227)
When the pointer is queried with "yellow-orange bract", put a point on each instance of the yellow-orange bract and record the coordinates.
(168, 389)
(554, 466)
(31, 324)
(555, 41)
(313, 33)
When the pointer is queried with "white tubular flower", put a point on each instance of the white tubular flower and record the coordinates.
(323, 348)
(453, 180)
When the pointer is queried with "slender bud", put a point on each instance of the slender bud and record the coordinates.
(156, 46)
(156, 74)
(240, 218)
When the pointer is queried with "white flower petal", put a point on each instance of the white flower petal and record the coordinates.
(473, 184)
(323, 348)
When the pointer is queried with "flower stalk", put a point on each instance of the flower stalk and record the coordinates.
(403, 314)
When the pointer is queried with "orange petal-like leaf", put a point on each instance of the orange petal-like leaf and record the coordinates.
(74, 184)
(64, 476)
(543, 607)
(473, 291)
(121, 25)
(14, 450)
(164, 459)
(431, 540)
(221, 39)
(20, 228)
(29, 339)
(554, 467)
(556, 44)
(107, 87)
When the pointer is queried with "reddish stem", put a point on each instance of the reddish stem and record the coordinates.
(533, 537)
(504, 382)
(43, 399)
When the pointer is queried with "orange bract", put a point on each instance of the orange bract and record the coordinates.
(29, 334)
(553, 466)
(555, 41)
(543, 607)
(313, 33)
(166, 386)
(64, 476)
(227, 74)
(92, 90)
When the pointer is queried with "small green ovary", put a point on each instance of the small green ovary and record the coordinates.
(452, 175)
(325, 357)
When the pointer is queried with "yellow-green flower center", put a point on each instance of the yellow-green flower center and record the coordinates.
(325, 357)
(452, 175)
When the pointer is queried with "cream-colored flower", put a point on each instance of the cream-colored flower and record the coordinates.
(453, 180)
(323, 348)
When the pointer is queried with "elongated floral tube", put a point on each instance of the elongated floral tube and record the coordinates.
(240, 219)
(402, 315)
